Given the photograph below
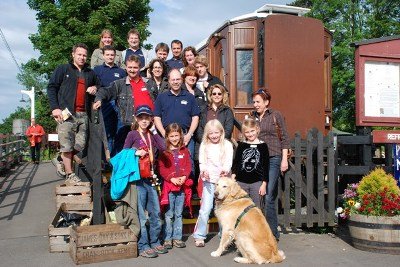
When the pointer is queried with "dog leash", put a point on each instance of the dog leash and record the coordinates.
(243, 213)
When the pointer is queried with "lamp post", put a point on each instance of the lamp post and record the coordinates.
(31, 95)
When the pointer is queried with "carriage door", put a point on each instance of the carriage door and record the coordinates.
(219, 60)
(245, 71)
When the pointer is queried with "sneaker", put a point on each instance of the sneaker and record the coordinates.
(168, 244)
(59, 167)
(72, 179)
(160, 249)
(179, 244)
(199, 242)
(150, 253)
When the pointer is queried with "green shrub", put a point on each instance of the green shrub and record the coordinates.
(376, 181)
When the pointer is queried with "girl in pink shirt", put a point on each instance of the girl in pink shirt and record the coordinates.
(215, 158)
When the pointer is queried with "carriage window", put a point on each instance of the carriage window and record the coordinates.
(222, 59)
(244, 77)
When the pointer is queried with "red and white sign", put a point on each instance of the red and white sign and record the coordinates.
(386, 136)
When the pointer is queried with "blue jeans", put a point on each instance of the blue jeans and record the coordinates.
(148, 201)
(272, 193)
(207, 201)
(173, 216)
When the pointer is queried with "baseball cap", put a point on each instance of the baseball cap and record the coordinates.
(144, 109)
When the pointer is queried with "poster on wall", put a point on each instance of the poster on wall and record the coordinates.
(396, 160)
(382, 89)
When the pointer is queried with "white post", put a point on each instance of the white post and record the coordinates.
(31, 95)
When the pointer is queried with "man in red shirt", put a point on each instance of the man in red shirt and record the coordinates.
(35, 133)
(128, 93)
(72, 87)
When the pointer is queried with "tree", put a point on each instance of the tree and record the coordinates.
(351, 21)
(65, 23)
(6, 127)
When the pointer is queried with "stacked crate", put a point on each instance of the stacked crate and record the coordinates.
(76, 197)
(92, 243)
(73, 199)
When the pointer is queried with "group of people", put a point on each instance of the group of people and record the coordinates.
(175, 114)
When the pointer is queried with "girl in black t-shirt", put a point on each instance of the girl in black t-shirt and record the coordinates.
(251, 162)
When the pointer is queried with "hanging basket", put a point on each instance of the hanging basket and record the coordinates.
(375, 233)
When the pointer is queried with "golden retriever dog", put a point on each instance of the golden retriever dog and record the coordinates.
(244, 224)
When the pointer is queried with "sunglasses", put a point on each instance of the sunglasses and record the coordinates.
(261, 91)
(216, 93)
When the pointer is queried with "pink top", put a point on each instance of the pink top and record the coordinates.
(215, 159)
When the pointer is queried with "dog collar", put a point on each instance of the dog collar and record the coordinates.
(243, 213)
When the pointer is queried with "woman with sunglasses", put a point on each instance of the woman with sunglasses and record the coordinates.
(273, 132)
(217, 108)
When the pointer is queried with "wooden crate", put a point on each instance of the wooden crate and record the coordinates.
(76, 197)
(59, 237)
(98, 243)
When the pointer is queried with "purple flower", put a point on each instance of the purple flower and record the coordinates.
(354, 186)
(348, 193)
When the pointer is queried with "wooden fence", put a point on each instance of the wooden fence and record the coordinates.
(11, 150)
(308, 191)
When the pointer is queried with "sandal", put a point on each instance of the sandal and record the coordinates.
(199, 243)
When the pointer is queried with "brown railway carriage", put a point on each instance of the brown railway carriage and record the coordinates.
(276, 48)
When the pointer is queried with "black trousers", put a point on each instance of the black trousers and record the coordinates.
(35, 152)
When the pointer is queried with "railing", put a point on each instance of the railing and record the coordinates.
(356, 154)
(11, 150)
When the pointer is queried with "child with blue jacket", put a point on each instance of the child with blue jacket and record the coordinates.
(147, 141)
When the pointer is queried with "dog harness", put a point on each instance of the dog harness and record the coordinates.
(243, 213)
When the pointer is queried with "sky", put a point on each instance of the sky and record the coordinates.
(186, 20)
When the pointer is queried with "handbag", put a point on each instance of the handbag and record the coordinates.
(146, 162)
(145, 167)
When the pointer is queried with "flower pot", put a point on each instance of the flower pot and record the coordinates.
(375, 233)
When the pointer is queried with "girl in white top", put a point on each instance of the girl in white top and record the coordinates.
(215, 158)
